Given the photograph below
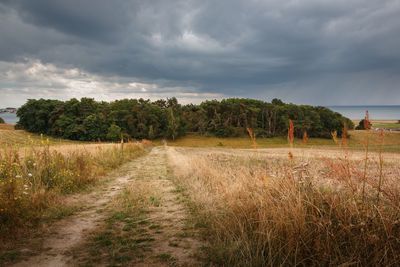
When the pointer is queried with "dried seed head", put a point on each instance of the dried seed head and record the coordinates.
(291, 133)
(305, 137)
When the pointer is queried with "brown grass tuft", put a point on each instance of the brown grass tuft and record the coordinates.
(147, 143)
(305, 138)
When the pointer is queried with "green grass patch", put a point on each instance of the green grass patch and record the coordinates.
(155, 226)
(356, 140)
(104, 239)
(165, 257)
(387, 125)
(141, 240)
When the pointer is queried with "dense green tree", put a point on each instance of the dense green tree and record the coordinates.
(114, 133)
(96, 127)
(34, 116)
(1, 120)
(172, 124)
(90, 120)
(151, 132)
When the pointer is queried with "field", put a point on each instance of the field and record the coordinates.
(310, 208)
(356, 141)
(20, 138)
(386, 124)
(205, 201)
(37, 172)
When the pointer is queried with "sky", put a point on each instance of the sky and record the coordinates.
(342, 52)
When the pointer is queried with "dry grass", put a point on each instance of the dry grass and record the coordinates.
(35, 178)
(263, 210)
(5, 126)
(21, 138)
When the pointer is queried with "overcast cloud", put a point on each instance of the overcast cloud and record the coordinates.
(305, 52)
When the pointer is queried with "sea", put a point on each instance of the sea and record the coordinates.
(391, 112)
(8, 117)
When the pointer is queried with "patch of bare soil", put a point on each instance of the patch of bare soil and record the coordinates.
(104, 234)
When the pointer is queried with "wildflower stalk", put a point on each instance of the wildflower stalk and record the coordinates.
(305, 138)
(304, 142)
(367, 128)
(290, 138)
(334, 136)
(381, 140)
(253, 137)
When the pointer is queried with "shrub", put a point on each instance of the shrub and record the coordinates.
(364, 125)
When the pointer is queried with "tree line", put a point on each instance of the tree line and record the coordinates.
(90, 120)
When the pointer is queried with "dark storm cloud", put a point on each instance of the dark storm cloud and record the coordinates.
(262, 49)
(98, 20)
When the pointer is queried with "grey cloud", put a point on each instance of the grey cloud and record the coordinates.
(232, 48)
(86, 19)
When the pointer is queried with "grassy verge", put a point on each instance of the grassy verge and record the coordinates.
(33, 183)
(20, 138)
(388, 125)
(356, 140)
(266, 211)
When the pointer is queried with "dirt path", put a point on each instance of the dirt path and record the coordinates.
(162, 233)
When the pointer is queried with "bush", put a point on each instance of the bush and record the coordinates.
(1, 120)
(364, 125)
(223, 131)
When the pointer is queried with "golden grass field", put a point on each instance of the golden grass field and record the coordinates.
(320, 207)
(21, 138)
(319, 203)
(316, 204)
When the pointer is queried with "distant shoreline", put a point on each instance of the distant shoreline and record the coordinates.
(376, 113)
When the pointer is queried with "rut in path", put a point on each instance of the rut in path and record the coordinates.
(164, 231)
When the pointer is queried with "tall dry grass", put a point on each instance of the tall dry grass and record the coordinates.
(267, 211)
(35, 179)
